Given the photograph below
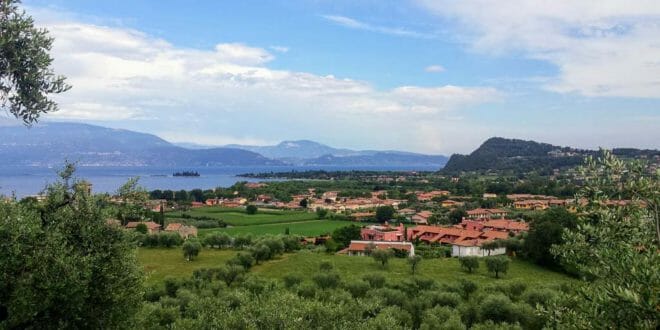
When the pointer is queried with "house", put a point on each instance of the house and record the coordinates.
(152, 227)
(181, 229)
(441, 235)
(427, 196)
(531, 204)
(489, 196)
(451, 204)
(196, 204)
(363, 248)
(406, 212)
(422, 218)
(383, 233)
(472, 248)
(486, 213)
(499, 225)
(255, 185)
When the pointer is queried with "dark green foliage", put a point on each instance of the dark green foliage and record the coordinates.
(497, 308)
(414, 262)
(243, 259)
(141, 228)
(321, 213)
(260, 252)
(384, 213)
(358, 289)
(251, 209)
(230, 273)
(497, 265)
(466, 288)
(26, 78)
(544, 232)
(376, 281)
(344, 235)
(469, 263)
(292, 280)
(191, 249)
(217, 240)
(327, 280)
(62, 266)
(325, 266)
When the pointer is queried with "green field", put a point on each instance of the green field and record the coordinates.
(238, 217)
(303, 228)
(160, 262)
(445, 270)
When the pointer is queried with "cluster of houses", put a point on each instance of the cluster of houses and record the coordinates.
(467, 238)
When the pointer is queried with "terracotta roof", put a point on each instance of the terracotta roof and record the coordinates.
(362, 245)
(506, 224)
(494, 234)
(150, 224)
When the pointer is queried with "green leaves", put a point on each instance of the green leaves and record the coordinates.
(26, 78)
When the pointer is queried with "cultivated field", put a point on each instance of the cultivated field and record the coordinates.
(303, 228)
(238, 217)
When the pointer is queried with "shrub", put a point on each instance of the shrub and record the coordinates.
(381, 256)
(448, 299)
(141, 228)
(357, 289)
(230, 274)
(469, 263)
(497, 308)
(327, 280)
(191, 249)
(292, 280)
(242, 259)
(466, 288)
(251, 209)
(376, 281)
(325, 266)
(497, 265)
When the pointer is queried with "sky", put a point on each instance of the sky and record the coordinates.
(436, 77)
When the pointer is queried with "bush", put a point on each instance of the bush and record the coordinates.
(169, 239)
(292, 280)
(251, 209)
(381, 256)
(376, 281)
(191, 249)
(219, 240)
(448, 299)
(466, 288)
(242, 259)
(141, 228)
(497, 308)
(497, 265)
(357, 289)
(326, 280)
(469, 263)
(230, 274)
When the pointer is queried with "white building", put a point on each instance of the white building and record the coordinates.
(472, 248)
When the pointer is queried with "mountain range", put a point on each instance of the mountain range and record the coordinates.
(49, 144)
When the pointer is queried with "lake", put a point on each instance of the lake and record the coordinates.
(23, 181)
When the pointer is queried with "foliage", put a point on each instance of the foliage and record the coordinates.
(26, 77)
(469, 263)
(498, 265)
(191, 249)
(614, 248)
(414, 262)
(321, 213)
(544, 232)
(62, 266)
(251, 209)
(381, 256)
(344, 235)
(141, 228)
(384, 213)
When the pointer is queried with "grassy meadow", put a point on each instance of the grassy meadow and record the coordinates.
(161, 262)
(238, 217)
(303, 228)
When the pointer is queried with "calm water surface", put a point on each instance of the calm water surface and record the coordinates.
(24, 181)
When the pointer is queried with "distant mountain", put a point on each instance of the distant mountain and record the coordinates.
(305, 152)
(379, 158)
(500, 154)
(51, 143)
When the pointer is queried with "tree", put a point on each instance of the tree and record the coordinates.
(544, 232)
(497, 265)
(251, 209)
(303, 203)
(490, 246)
(230, 273)
(141, 228)
(62, 266)
(132, 197)
(321, 213)
(260, 252)
(456, 215)
(384, 213)
(414, 262)
(243, 259)
(26, 77)
(469, 263)
(614, 248)
(191, 249)
(344, 235)
(382, 256)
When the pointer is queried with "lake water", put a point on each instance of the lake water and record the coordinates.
(24, 181)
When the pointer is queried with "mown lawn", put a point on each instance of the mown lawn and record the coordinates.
(303, 228)
(238, 217)
(161, 262)
(446, 270)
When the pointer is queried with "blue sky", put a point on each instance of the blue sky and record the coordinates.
(428, 76)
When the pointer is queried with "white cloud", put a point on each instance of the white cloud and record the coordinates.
(359, 25)
(601, 48)
(434, 68)
(229, 94)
